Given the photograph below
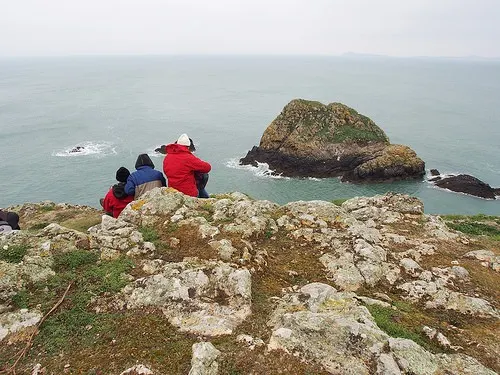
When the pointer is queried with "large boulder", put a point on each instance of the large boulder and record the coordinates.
(310, 139)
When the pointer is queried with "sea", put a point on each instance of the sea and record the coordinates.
(117, 107)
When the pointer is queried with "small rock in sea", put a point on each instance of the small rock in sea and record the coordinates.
(77, 149)
(162, 149)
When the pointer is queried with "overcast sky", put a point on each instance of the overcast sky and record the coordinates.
(318, 27)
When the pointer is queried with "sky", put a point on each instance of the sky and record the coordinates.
(264, 27)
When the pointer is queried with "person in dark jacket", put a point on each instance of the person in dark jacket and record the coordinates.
(8, 221)
(200, 178)
(116, 199)
(144, 178)
(180, 167)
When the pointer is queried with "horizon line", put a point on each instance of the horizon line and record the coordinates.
(345, 54)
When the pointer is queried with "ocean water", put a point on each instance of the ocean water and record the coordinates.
(119, 107)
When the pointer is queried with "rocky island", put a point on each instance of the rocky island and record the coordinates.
(464, 183)
(310, 139)
(232, 285)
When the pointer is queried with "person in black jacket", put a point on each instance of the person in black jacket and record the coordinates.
(8, 221)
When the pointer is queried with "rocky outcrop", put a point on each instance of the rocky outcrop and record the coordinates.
(336, 330)
(310, 139)
(205, 298)
(464, 183)
(309, 281)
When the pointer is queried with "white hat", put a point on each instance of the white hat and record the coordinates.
(183, 140)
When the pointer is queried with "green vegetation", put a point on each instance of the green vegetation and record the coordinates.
(477, 225)
(20, 300)
(338, 202)
(348, 133)
(82, 224)
(74, 259)
(75, 322)
(479, 217)
(48, 208)
(39, 226)
(14, 253)
(149, 234)
(207, 211)
(391, 321)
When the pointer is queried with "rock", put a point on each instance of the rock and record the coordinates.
(224, 248)
(387, 365)
(467, 184)
(204, 360)
(321, 325)
(437, 295)
(137, 370)
(250, 341)
(342, 271)
(38, 370)
(488, 258)
(14, 321)
(309, 139)
(201, 297)
(459, 272)
(115, 237)
(162, 149)
(370, 301)
(410, 266)
(435, 172)
(77, 149)
(484, 255)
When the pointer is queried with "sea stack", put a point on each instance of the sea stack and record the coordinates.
(310, 139)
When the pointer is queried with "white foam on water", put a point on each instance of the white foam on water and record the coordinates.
(97, 149)
(261, 170)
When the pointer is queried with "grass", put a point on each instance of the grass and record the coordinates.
(20, 300)
(39, 226)
(348, 133)
(82, 224)
(14, 253)
(74, 259)
(149, 234)
(477, 225)
(389, 321)
(75, 322)
(477, 229)
(338, 202)
(48, 208)
(479, 217)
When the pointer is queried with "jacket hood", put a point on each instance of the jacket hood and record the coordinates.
(119, 190)
(144, 160)
(175, 148)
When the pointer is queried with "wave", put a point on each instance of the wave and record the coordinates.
(261, 170)
(89, 148)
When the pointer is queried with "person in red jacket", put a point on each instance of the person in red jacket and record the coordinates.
(116, 199)
(180, 166)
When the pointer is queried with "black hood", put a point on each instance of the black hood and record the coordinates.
(10, 218)
(144, 160)
(119, 190)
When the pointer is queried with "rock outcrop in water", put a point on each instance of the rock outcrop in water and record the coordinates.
(233, 285)
(464, 183)
(310, 139)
